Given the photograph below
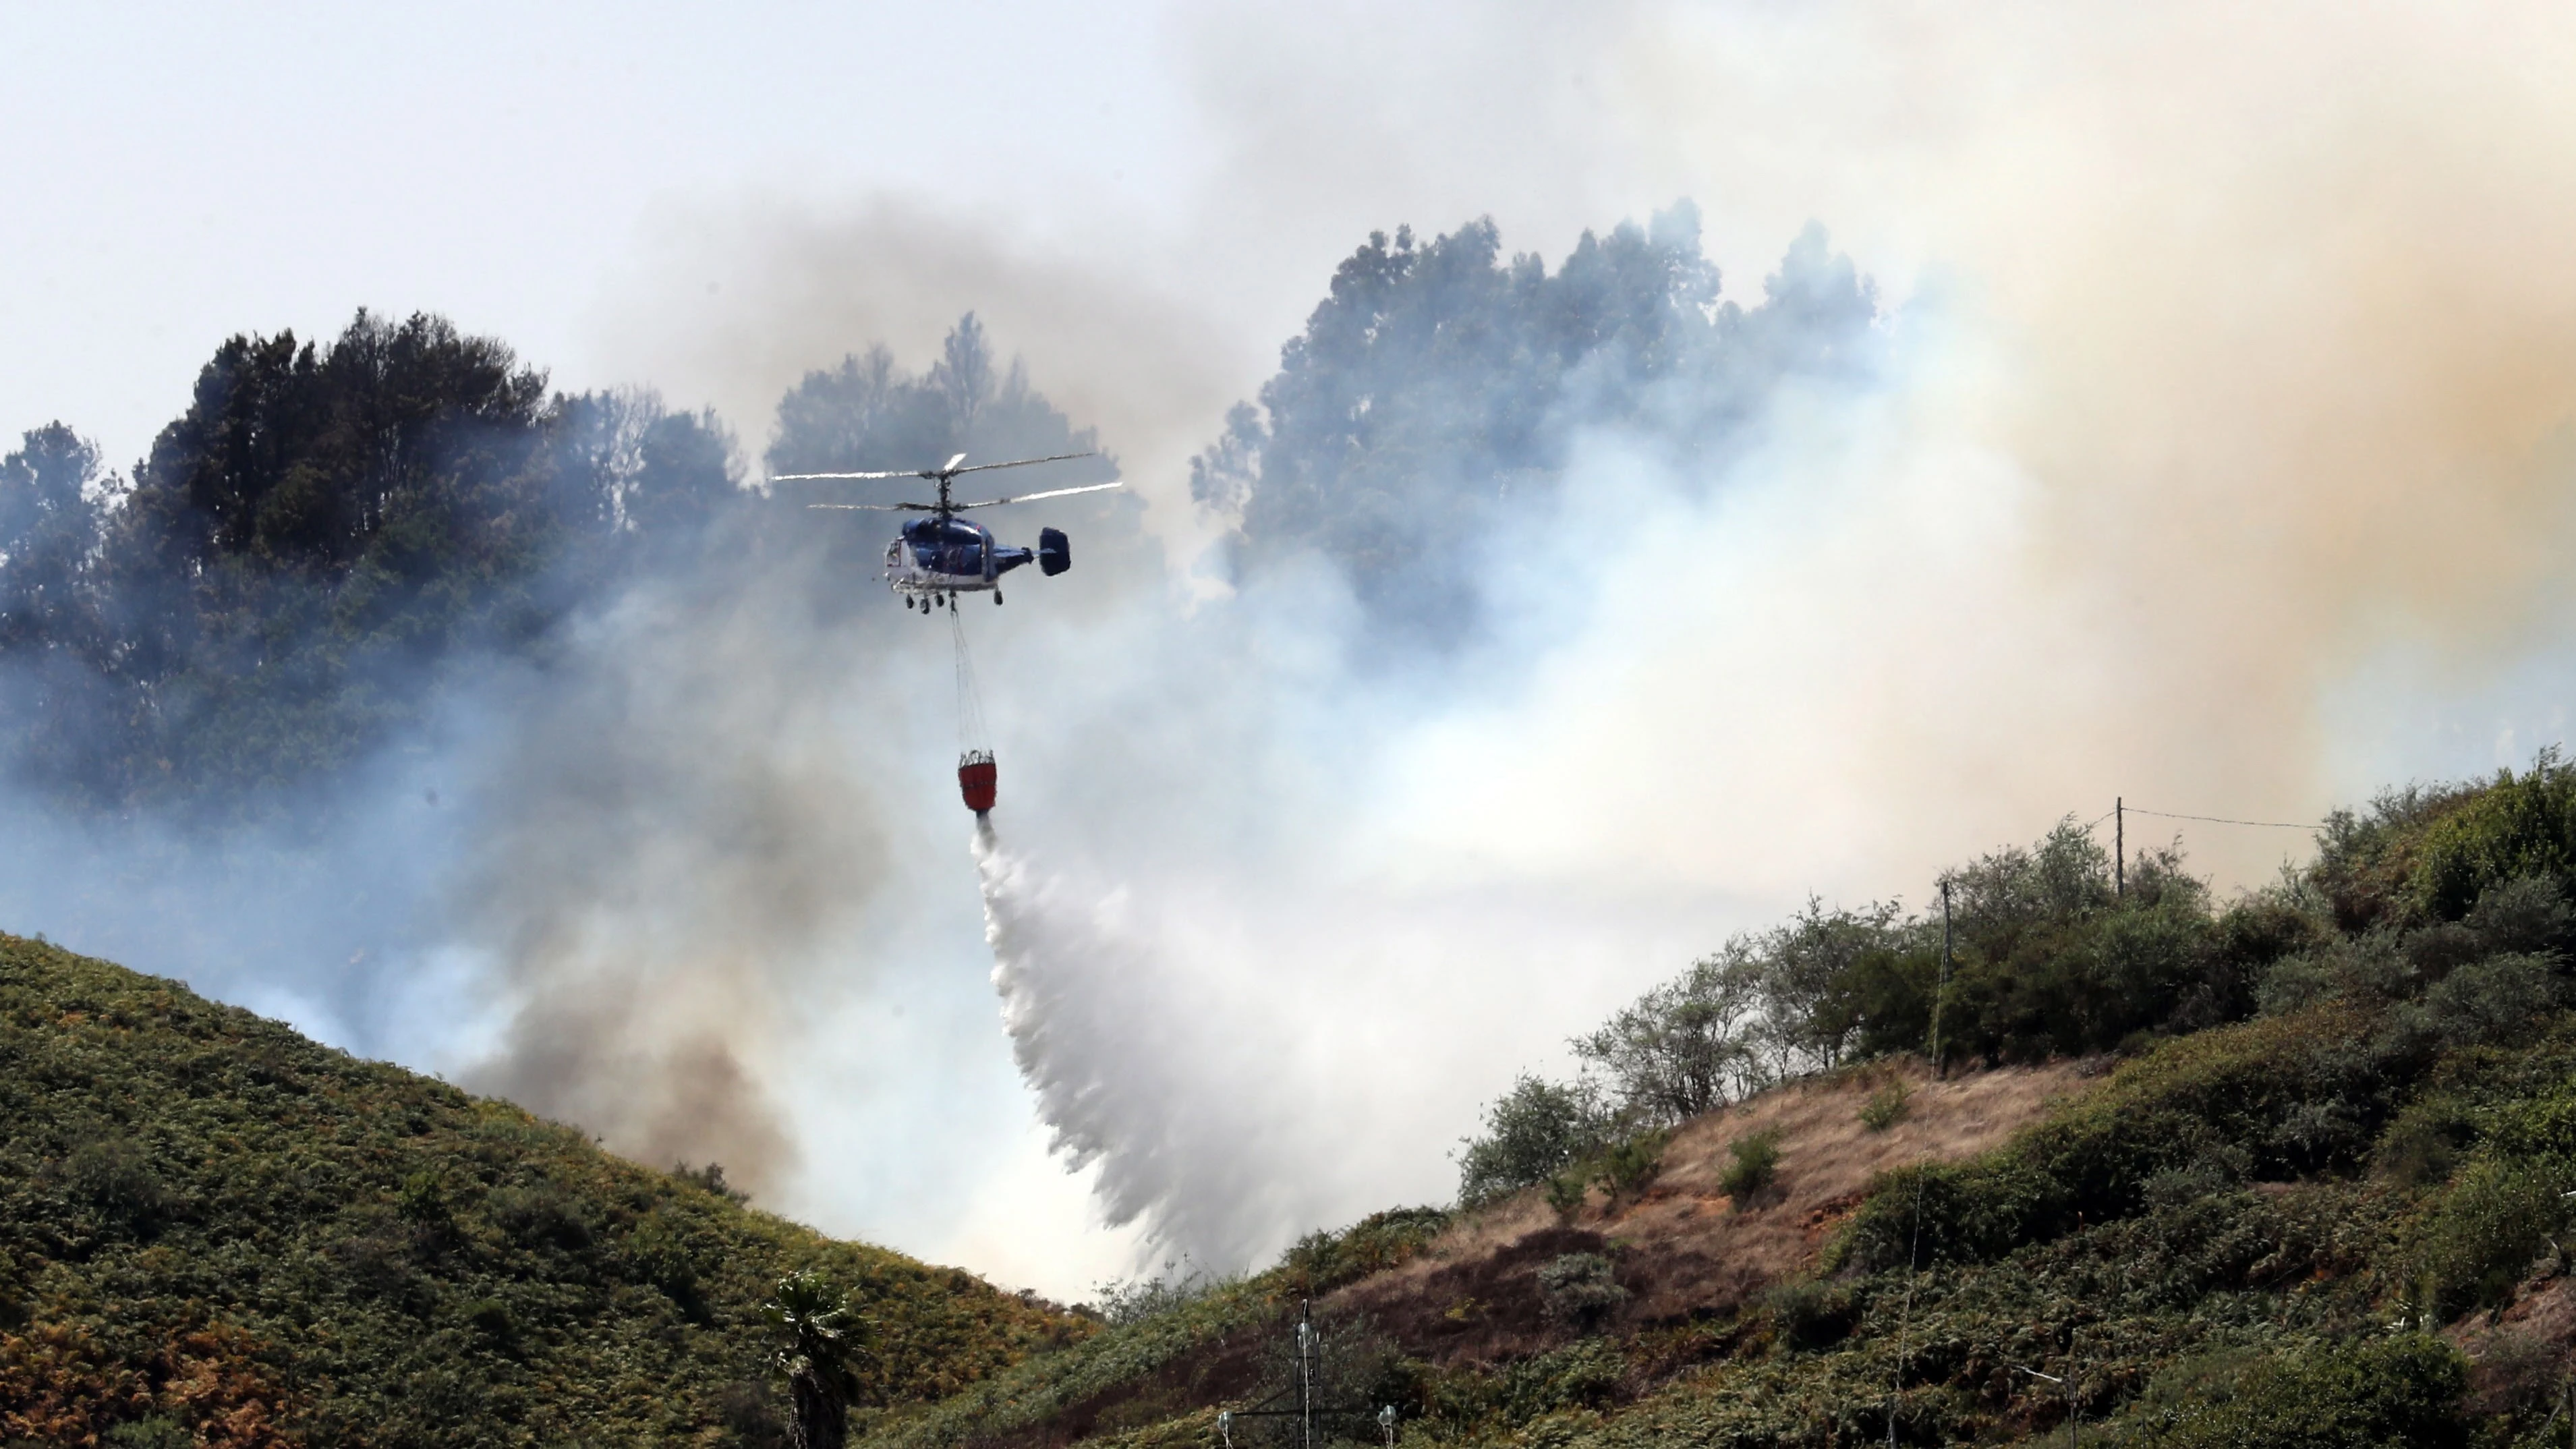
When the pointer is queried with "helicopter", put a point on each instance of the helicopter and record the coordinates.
(943, 555)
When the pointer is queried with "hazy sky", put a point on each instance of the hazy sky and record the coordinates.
(181, 173)
(2223, 463)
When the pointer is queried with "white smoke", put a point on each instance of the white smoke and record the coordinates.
(2228, 473)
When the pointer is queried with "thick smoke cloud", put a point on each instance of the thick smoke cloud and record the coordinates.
(2216, 461)
(652, 893)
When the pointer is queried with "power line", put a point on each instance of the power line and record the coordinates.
(2222, 820)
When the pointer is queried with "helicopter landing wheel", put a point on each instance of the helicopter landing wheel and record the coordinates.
(997, 598)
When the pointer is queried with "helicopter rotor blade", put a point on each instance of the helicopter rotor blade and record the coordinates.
(1016, 463)
(1034, 497)
(881, 507)
(803, 477)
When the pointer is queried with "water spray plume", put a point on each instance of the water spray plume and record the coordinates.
(1117, 1090)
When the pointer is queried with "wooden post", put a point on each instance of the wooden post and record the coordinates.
(2119, 848)
(1940, 1068)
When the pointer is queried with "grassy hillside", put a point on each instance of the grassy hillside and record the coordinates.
(2289, 1170)
(213, 1231)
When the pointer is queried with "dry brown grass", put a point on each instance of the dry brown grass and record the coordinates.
(1683, 1246)
(2518, 1356)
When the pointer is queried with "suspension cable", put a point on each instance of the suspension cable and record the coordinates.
(970, 699)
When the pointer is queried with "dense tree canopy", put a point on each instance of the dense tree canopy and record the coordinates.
(306, 546)
(1439, 385)
(332, 529)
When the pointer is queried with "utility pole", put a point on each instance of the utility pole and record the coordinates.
(1940, 1068)
(2119, 848)
(1305, 1376)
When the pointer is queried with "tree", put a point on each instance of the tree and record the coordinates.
(818, 1331)
(1437, 391)
(49, 526)
(1532, 1132)
(309, 544)
(1685, 1047)
(869, 413)
(684, 478)
(1811, 971)
(2006, 896)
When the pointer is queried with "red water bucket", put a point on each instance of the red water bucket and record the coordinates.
(975, 779)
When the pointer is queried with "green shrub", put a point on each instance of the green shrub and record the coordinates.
(2245, 941)
(2369, 969)
(2364, 874)
(1756, 1161)
(1138, 1297)
(2135, 968)
(155, 1432)
(115, 1178)
(2483, 1233)
(2518, 826)
(1320, 1262)
(492, 1319)
(658, 1252)
(2401, 1393)
(539, 1217)
(1630, 1165)
(1887, 1106)
(1808, 1314)
(2526, 914)
(2498, 1000)
(710, 1178)
(1580, 1289)
(1580, 1375)
(2422, 1143)
(423, 1201)
(1566, 1192)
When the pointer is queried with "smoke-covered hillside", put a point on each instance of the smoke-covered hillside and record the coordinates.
(531, 734)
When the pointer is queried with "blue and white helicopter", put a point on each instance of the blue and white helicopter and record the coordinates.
(943, 555)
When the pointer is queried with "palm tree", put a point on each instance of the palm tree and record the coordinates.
(818, 1332)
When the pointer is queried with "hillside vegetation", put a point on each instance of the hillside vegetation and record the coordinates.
(215, 1232)
(2290, 1170)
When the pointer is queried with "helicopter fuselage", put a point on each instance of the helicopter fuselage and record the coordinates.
(949, 556)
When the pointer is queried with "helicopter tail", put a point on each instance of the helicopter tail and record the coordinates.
(1055, 551)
